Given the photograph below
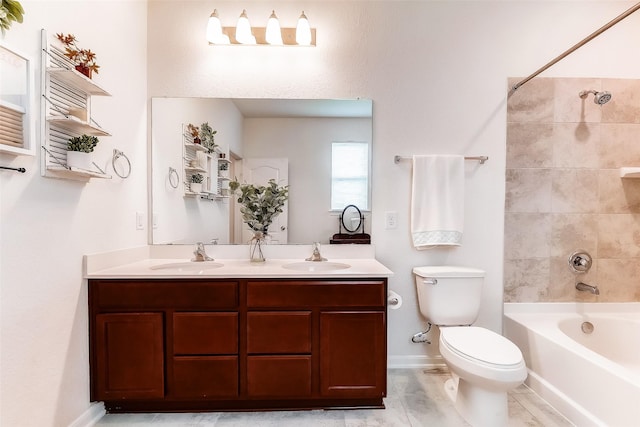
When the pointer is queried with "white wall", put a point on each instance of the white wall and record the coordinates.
(437, 73)
(47, 225)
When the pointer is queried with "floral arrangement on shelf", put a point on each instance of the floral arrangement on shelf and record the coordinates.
(207, 135)
(83, 59)
(10, 10)
(197, 178)
(82, 143)
(260, 204)
(194, 131)
(223, 166)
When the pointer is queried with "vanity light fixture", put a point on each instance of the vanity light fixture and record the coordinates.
(272, 34)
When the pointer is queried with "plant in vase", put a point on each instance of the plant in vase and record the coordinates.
(207, 135)
(79, 149)
(194, 131)
(196, 182)
(223, 168)
(10, 10)
(260, 205)
(83, 59)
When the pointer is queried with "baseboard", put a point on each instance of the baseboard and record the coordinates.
(406, 362)
(90, 416)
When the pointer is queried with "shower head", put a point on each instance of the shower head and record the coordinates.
(599, 98)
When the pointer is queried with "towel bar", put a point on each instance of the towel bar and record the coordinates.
(481, 159)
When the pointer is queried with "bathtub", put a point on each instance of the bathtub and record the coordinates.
(593, 379)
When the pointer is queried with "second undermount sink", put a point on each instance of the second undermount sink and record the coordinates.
(312, 266)
(187, 266)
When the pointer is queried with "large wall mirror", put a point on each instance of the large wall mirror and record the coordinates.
(295, 134)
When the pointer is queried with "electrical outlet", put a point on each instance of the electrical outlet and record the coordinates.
(139, 221)
(391, 220)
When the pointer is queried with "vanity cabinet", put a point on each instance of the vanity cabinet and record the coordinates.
(245, 344)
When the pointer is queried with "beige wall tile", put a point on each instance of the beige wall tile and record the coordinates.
(569, 107)
(574, 190)
(618, 195)
(528, 190)
(527, 235)
(532, 102)
(526, 279)
(619, 235)
(571, 232)
(619, 145)
(563, 281)
(624, 106)
(576, 145)
(529, 145)
(618, 279)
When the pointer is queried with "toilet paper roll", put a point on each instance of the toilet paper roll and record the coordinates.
(394, 301)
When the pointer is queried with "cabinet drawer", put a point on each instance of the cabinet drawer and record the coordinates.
(203, 377)
(279, 332)
(178, 294)
(279, 376)
(205, 333)
(325, 293)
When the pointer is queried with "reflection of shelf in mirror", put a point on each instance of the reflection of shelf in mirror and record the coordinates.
(76, 125)
(75, 79)
(196, 147)
(224, 178)
(630, 172)
(75, 173)
(194, 169)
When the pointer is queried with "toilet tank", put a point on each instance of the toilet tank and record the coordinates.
(449, 295)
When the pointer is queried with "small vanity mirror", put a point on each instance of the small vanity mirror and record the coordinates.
(351, 228)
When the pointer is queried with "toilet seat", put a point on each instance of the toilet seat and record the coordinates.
(481, 346)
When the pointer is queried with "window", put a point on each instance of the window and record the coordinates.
(15, 96)
(349, 175)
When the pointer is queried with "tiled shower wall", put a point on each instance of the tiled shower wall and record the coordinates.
(564, 191)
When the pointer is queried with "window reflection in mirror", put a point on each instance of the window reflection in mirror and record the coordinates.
(350, 174)
(301, 131)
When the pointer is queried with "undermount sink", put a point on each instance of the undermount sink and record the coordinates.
(188, 266)
(312, 266)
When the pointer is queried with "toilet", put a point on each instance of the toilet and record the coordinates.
(484, 365)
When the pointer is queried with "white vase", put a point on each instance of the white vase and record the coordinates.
(196, 187)
(79, 159)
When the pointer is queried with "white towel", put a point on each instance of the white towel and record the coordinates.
(437, 201)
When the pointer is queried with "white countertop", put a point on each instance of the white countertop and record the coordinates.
(143, 262)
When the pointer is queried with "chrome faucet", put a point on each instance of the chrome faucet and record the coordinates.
(584, 287)
(315, 256)
(200, 254)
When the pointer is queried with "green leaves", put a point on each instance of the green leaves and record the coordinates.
(10, 10)
(260, 204)
(84, 143)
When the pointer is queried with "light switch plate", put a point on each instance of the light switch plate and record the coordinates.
(139, 221)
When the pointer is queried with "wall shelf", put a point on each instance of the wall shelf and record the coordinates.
(630, 172)
(63, 91)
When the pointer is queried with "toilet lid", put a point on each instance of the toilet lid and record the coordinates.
(481, 344)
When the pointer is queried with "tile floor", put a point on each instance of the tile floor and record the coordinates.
(416, 398)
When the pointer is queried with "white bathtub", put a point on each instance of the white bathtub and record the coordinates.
(592, 379)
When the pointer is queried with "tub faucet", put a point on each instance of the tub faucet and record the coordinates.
(584, 287)
(315, 256)
(200, 254)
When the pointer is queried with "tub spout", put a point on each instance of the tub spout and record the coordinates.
(584, 287)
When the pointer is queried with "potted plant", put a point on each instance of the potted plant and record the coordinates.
(196, 183)
(223, 169)
(83, 59)
(260, 205)
(10, 10)
(194, 131)
(207, 136)
(79, 149)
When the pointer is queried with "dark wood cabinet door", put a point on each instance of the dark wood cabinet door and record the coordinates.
(129, 356)
(279, 376)
(205, 377)
(352, 354)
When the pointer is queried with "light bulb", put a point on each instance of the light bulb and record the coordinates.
(214, 30)
(273, 34)
(243, 30)
(303, 31)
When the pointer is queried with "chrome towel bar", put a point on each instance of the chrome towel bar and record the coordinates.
(481, 159)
